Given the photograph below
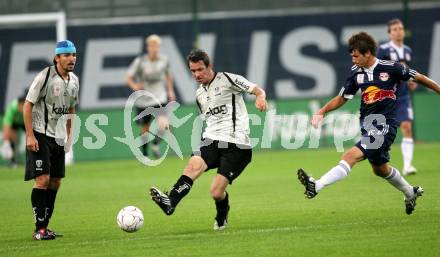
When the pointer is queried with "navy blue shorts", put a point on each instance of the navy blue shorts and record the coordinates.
(404, 111)
(374, 150)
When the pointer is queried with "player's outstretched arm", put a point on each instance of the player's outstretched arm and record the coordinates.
(333, 104)
(427, 82)
(260, 101)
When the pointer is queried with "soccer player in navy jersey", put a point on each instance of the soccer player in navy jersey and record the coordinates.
(377, 80)
(396, 50)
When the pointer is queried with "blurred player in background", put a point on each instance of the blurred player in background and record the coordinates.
(12, 125)
(396, 50)
(151, 72)
(53, 93)
(377, 80)
(225, 144)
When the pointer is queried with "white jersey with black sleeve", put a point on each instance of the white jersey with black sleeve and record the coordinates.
(222, 104)
(52, 97)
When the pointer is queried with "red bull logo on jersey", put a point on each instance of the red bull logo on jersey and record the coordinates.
(374, 94)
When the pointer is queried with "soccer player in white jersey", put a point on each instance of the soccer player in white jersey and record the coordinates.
(53, 93)
(151, 72)
(225, 144)
(396, 50)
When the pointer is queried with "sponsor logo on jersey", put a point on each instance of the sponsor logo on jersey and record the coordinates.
(360, 78)
(217, 91)
(374, 94)
(384, 76)
(56, 90)
(60, 110)
(221, 109)
(241, 84)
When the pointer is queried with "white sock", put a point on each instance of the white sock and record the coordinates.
(400, 183)
(407, 147)
(337, 173)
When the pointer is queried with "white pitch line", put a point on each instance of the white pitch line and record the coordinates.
(220, 233)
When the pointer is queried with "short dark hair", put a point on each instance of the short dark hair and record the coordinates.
(393, 22)
(362, 42)
(198, 55)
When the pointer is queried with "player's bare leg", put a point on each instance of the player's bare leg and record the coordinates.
(145, 129)
(221, 198)
(407, 148)
(163, 126)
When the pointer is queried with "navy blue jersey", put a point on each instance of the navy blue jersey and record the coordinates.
(389, 51)
(378, 86)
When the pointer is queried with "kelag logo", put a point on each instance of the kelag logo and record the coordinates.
(60, 110)
(222, 109)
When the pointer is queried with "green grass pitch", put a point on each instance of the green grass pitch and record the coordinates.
(360, 216)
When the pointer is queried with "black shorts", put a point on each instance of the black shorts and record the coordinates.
(381, 154)
(230, 159)
(147, 118)
(48, 160)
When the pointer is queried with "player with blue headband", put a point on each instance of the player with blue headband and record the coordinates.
(65, 55)
(52, 94)
(65, 47)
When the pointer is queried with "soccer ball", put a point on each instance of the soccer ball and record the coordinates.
(130, 219)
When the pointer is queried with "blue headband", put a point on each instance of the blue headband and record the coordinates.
(65, 47)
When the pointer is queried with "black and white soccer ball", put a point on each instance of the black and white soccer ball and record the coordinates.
(130, 219)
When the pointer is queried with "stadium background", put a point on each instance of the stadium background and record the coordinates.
(295, 49)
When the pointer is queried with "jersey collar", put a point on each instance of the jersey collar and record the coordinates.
(206, 86)
(68, 74)
(371, 69)
(399, 49)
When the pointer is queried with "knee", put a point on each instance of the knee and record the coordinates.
(217, 194)
(381, 171)
(42, 182)
(54, 183)
(350, 159)
(406, 128)
(194, 168)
